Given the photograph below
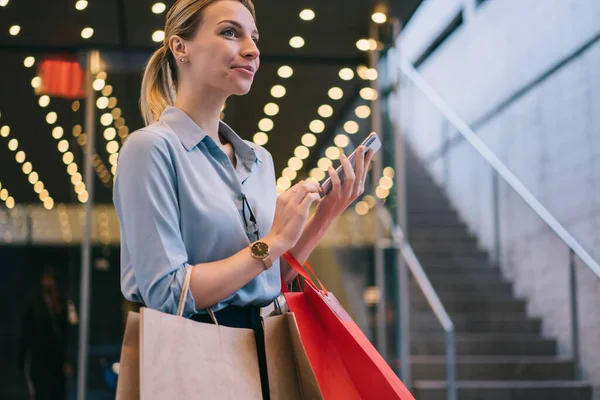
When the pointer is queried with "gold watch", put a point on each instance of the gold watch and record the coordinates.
(261, 251)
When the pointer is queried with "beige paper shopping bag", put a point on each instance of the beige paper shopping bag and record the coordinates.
(166, 356)
(290, 375)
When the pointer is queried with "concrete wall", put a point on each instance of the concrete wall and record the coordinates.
(540, 61)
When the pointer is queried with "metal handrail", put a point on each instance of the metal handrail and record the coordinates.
(499, 166)
(399, 242)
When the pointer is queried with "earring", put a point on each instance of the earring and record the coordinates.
(183, 60)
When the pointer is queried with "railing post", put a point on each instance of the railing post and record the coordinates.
(496, 206)
(451, 364)
(574, 314)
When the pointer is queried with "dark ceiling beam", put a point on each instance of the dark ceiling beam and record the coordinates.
(265, 58)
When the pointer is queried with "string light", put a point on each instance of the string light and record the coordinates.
(307, 14)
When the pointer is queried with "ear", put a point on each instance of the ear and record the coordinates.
(178, 47)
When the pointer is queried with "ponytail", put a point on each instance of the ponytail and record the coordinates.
(158, 90)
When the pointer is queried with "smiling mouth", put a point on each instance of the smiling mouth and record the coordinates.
(248, 69)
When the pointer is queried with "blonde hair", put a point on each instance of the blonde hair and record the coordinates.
(159, 84)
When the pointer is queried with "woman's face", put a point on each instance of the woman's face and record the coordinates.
(224, 53)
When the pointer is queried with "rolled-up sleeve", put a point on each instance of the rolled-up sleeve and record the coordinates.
(146, 201)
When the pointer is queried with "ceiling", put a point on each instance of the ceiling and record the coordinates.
(122, 33)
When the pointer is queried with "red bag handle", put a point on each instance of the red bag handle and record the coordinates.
(291, 260)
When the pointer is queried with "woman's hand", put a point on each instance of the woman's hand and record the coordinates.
(341, 196)
(291, 213)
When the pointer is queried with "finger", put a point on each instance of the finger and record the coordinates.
(309, 200)
(368, 159)
(359, 170)
(350, 176)
(336, 184)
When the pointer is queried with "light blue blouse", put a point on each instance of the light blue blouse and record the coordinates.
(179, 201)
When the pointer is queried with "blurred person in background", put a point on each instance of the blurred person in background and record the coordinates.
(42, 355)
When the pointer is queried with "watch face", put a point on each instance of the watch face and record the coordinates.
(260, 249)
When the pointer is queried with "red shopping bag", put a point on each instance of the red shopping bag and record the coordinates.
(346, 364)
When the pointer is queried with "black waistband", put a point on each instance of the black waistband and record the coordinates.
(233, 316)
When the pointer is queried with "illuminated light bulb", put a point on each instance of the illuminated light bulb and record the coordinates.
(351, 127)
(368, 93)
(324, 164)
(302, 152)
(271, 109)
(113, 158)
(309, 140)
(363, 45)
(266, 124)
(49, 203)
(335, 93)
(333, 153)
(68, 158)
(83, 197)
(51, 117)
(14, 30)
(5, 131)
(363, 111)
(381, 192)
(346, 74)
(361, 70)
(379, 17)
(98, 84)
(44, 101)
(20, 157)
(36, 82)
(362, 208)
(317, 126)
(370, 200)
(63, 146)
(386, 183)
(87, 33)
(278, 91)
(158, 8)
(110, 133)
(72, 169)
(325, 111)
(106, 119)
(81, 5)
(260, 138)
(112, 147)
(285, 71)
(158, 36)
(27, 168)
(29, 61)
(33, 177)
(307, 14)
(317, 174)
(289, 173)
(389, 172)
(372, 74)
(341, 140)
(295, 163)
(297, 42)
(102, 102)
(13, 144)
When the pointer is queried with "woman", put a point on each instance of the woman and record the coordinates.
(190, 193)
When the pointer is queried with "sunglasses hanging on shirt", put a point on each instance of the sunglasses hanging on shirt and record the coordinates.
(253, 233)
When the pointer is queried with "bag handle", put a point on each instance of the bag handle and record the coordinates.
(183, 297)
(291, 260)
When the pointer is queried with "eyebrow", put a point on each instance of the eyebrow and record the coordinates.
(232, 22)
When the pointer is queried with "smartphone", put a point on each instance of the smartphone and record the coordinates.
(372, 142)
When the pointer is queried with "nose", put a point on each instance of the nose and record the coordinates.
(250, 51)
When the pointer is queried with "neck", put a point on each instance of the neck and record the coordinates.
(203, 107)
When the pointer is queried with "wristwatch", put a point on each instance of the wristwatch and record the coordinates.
(260, 250)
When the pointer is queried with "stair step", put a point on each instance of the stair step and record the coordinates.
(444, 246)
(494, 368)
(428, 323)
(445, 297)
(489, 287)
(462, 270)
(505, 390)
(480, 305)
(457, 278)
(516, 344)
(442, 233)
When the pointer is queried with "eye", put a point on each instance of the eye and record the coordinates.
(255, 40)
(229, 32)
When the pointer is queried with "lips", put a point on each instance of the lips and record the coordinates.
(248, 68)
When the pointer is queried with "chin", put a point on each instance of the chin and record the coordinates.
(242, 90)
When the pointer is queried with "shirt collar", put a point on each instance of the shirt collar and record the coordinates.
(191, 134)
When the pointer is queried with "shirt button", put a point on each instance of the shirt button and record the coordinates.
(240, 197)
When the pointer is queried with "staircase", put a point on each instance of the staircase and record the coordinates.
(501, 353)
